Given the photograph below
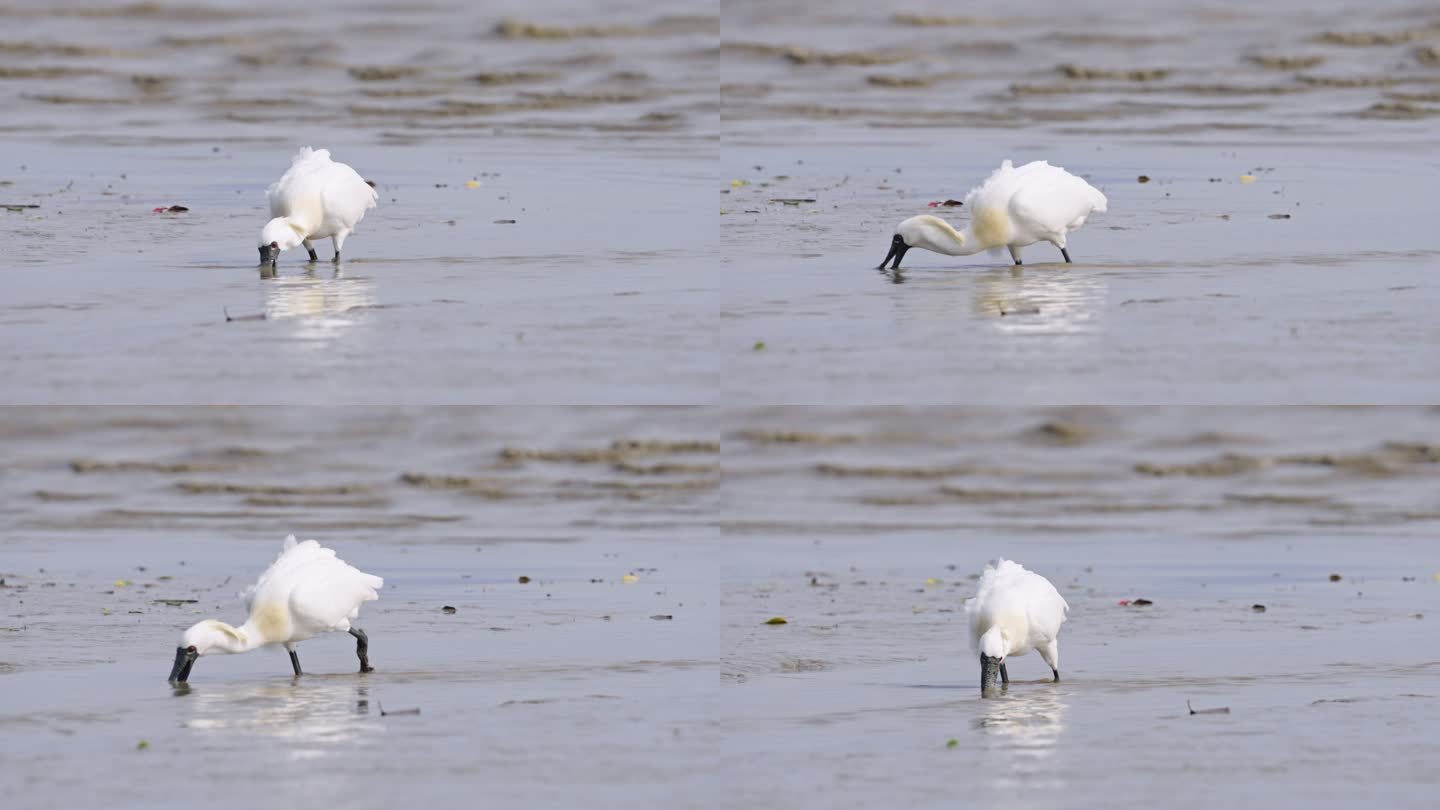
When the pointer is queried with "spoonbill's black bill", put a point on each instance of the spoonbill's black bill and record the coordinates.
(897, 252)
(184, 660)
(307, 591)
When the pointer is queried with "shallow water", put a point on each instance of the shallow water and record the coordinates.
(536, 690)
(865, 530)
(862, 527)
(575, 270)
(544, 239)
(1186, 292)
(433, 304)
(1309, 284)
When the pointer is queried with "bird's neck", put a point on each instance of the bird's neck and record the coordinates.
(966, 245)
(994, 641)
(239, 639)
(301, 223)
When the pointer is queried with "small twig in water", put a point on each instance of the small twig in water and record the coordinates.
(1221, 710)
(384, 713)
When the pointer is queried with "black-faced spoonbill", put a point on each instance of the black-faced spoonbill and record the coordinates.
(1014, 611)
(316, 198)
(1012, 208)
(305, 592)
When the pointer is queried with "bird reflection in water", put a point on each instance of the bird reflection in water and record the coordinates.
(1022, 731)
(314, 712)
(334, 270)
(1040, 300)
(896, 276)
(320, 298)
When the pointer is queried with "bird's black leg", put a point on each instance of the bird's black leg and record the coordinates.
(1004, 675)
(1057, 674)
(1066, 254)
(309, 248)
(362, 649)
(1015, 254)
(295, 662)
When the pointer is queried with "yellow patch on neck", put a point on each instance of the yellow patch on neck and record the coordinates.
(271, 622)
(991, 227)
(946, 227)
(228, 630)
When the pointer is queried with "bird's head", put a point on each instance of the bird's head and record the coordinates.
(202, 637)
(924, 231)
(992, 656)
(277, 235)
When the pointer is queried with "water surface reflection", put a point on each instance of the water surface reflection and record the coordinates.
(315, 716)
(319, 299)
(1040, 301)
(1022, 731)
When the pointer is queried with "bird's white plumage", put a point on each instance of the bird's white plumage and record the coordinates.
(1037, 201)
(315, 199)
(305, 592)
(1019, 607)
(318, 591)
(1013, 208)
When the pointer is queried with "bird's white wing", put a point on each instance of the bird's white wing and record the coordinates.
(1053, 202)
(1098, 201)
(346, 195)
(991, 187)
(275, 582)
(305, 184)
(1045, 607)
(1004, 182)
(972, 609)
(330, 592)
(281, 191)
(294, 191)
(981, 608)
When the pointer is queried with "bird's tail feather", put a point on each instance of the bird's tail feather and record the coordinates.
(306, 153)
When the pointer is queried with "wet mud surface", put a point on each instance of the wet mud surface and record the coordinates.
(1294, 586)
(578, 647)
(1265, 241)
(537, 239)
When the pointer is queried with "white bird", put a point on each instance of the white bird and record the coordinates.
(1014, 611)
(316, 198)
(306, 592)
(1012, 208)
